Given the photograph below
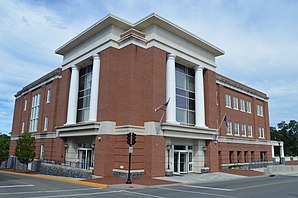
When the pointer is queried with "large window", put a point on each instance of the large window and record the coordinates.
(34, 113)
(84, 94)
(46, 123)
(185, 95)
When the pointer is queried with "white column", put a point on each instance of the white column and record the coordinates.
(171, 89)
(199, 96)
(273, 154)
(73, 96)
(94, 88)
(282, 150)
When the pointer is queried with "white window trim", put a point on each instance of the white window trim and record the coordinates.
(23, 127)
(248, 110)
(236, 124)
(260, 110)
(243, 126)
(235, 101)
(228, 101)
(242, 105)
(261, 133)
(34, 113)
(229, 128)
(249, 135)
(25, 104)
(49, 94)
(46, 123)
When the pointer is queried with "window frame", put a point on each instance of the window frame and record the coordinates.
(25, 104)
(249, 132)
(243, 130)
(49, 94)
(35, 109)
(235, 101)
(46, 123)
(260, 110)
(228, 101)
(248, 106)
(242, 105)
(236, 126)
(229, 128)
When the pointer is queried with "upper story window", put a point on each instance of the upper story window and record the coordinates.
(25, 104)
(23, 127)
(248, 106)
(235, 103)
(243, 130)
(185, 95)
(236, 128)
(34, 113)
(249, 130)
(242, 105)
(229, 128)
(84, 94)
(46, 123)
(261, 132)
(228, 101)
(49, 93)
(259, 110)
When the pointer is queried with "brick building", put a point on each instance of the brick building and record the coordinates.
(114, 75)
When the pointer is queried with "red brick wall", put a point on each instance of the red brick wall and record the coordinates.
(132, 85)
(242, 117)
(111, 152)
(211, 113)
(225, 148)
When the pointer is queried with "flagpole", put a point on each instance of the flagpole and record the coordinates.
(217, 131)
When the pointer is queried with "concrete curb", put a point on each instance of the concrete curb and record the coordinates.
(63, 179)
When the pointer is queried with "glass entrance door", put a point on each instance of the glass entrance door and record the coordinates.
(180, 162)
(85, 158)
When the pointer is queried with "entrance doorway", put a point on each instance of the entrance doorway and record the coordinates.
(183, 162)
(85, 158)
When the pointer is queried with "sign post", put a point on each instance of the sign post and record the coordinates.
(131, 140)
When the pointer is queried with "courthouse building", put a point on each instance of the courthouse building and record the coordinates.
(114, 75)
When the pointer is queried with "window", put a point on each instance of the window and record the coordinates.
(248, 106)
(46, 123)
(84, 94)
(242, 105)
(49, 93)
(259, 110)
(25, 104)
(261, 132)
(249, 130)
(236, 128)
(243, 130)
(185, 95)
(23, 127)
(41, 151)
(34, 113)
(235, 103)
(228, 101)
(229, 128)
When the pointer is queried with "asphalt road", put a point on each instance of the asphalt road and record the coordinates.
(16, 186)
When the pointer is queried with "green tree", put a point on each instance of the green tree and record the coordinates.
(25, 150)
(288, 133)
(4, 148)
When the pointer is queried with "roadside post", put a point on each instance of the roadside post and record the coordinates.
(130, 140)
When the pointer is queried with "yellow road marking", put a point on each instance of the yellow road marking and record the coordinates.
(262, 185)
(58, 179)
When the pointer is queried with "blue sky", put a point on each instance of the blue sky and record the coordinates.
(259, 39)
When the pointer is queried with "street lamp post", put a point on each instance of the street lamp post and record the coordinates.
(168, 171)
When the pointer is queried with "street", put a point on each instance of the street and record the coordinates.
(17, 186)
